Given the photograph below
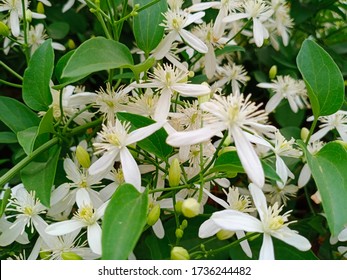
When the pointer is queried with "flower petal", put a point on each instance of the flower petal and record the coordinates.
(193, 41)
(104, 163)
(64, 227)
(192, 90)
(130, 169)
(292, 238)
(267, 248)
(343, 235)
(184, 138)
(94, 238)
(208, 228)
(143, 132)
(259, 200)
(244, 244)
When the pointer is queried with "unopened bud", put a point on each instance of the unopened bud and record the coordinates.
(40, 8)
(70, 256)
(184, 224)
(178, 206)
(153, 215)
(45, 255)
(4, 30)
(304, 133)
(71, 44)
(179, 253)
(273, 72)
(190, 207)
(28, 15)
(82, 157)
(174, 173)
(224, 234)
(179, 233)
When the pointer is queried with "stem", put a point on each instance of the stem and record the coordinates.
(239, 32)
(74, 116)
(313, 126)
(25, 161)
(10, 84)
(9, 69)
(84, 127)
(25, 27)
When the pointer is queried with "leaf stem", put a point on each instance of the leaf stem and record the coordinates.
(10, 84)
(313, 126)
(9, 69)
(25, 161)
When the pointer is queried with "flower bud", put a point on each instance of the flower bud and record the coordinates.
(4, 30)
(179, 233)
(28, 15)
(273, 72)
(184, 224)
(179, 253)
(224, 234)
(174, 173)
(153, 215)
(45, 255)
(190, 207)
(70, 256)
(304, 133)
(178, 206)
(82, 157)
(71, 44)
(40, 8)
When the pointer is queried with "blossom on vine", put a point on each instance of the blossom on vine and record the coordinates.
(240, 117)
(112, 142)
(271, 224)
(86, 216)
(28, 209)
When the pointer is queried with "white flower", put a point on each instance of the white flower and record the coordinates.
(168, 80)
(113, 141)
(234, 74)
(175, 23)
(86, 216)
(285, 87)
(28, 208)
(271, 224)
(258, 11)
(37, 36)
(240, 117)
(111, 101)
(336, 121)
(280, 194)
(143, 104)
(6, 225)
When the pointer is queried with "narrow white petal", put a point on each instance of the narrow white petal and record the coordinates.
(259, 200)
(244, 244)
(10, 235)
(273, 102)
(71, 170)
(164, 46)
(210, 62)
(234, 17)
(266, 85)
(281, 170)
(343, 235)
(292, 238)
(58, 46)
(208, 228)
(193, 18)
(130, 169)
(163, 106)
(220, 201)
(82, 98)
(342, 131)
(204, 6)
(64, 227)
(193, 41)
(320, 133)
(235, 220)
(267, 248)
(94, 238)
(14, 23)
(258, 34)
(184, 138)
(143, 132)
(82, 197)
(68, 5)
(248, 157)
(192, 90)
(159, 229)
(104, 163)
(304, 176)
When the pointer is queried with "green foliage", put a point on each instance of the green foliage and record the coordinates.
(328, 169)
(36, 88)
(124, 219)
(323, 79)
(147, 31)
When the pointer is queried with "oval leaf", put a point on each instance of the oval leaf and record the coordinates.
(36, 90)
(39, 176)
(124, 219)
(328, 169)
(323, 79)
(94, 55)
(16, 115)
(147, 30)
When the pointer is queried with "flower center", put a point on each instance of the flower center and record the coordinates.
(233, 113)
(113, 139)
(276, 223)
(28, 210)
(86, 214)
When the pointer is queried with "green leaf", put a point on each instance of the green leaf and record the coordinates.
(26, 138)
(328, 169)
(39, 176)
(147, 31)
(154, 143)
(36, 89)
(47, 123)
(96, 54)
(7, 137)
(58, 30)
(16, 115)
(323, 79)
(4, 201)
(124, 219)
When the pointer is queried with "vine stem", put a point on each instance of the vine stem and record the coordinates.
(25, 161)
